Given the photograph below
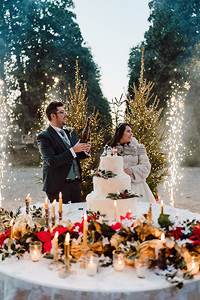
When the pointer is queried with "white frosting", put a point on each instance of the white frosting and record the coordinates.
(103, 186)
(106, 206)
(112, 163)
(97, 201)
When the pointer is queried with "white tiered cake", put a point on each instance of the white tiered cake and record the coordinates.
(97, 201)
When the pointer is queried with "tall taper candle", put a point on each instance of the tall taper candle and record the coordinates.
(115, 205)
(85, 231)
(11, 231)
(60, 206)
(27, 201)
(161, 203)
(66, 250)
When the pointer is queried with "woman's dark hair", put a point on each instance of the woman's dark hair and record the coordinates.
(119, 131)
(52, 108)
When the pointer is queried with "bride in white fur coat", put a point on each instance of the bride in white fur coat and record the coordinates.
(136, 162)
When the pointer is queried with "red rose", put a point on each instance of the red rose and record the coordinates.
(123, 196)
(177, 233)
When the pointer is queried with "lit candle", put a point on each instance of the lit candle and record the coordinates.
(66, 250)
(60, 202)
(55, 247)
(119, 264)
(27, 201)
(163, 240)
(91, 267)
(85, 231)
(35, 255)
(115, 205)
(11, 231)
(161, 202)
(46, 203)
(53, 208)
(193, 266)
(141, 267)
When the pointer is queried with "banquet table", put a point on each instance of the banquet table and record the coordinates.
(23, 279)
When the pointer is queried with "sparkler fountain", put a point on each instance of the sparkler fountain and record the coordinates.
(3, 137)
(175, 146)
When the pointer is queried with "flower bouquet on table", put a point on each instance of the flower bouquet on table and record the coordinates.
(138, 237)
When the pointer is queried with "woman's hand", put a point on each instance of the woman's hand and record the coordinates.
(128, 171)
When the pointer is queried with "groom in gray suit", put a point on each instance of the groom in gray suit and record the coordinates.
(61, 150)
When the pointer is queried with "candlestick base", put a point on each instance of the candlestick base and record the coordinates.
(60, 216)
(84, 252)
(53, 221)
(27, 208)
(55, 266)
(65, 272)
(47, 217)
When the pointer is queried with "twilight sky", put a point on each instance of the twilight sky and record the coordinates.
(111, 28)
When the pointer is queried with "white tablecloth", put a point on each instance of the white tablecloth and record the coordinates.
(26, 280)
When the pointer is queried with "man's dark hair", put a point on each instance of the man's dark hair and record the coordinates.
(52, 108)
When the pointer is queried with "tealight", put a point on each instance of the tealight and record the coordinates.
(91, 262)
(141, 266)
(118, 260)
(35, 250)
(193, 265)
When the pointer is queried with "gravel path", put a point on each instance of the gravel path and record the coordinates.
(21, 181)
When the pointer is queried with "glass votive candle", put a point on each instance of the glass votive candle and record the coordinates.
(35, 250)
(91, 263)
(119, 260)
(141, 266)
(193, 265)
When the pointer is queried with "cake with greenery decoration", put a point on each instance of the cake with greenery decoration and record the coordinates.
(111, 183)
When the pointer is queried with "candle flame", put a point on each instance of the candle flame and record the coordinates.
(56, 235)
(46, 199)
(193, 265)
(67, 237)
(115, 203)
(129, 211)
(35, 252)
(85, 216)
(11, 222)
(60, 195)
(162, 237)
(161, 202)
(54, 202)
(28, 196)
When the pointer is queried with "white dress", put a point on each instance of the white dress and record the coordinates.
(135, 157)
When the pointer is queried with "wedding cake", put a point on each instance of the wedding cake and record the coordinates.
(110, 184)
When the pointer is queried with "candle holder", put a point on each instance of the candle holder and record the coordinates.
(47, 217)
(119, 260)
(162, 262)
(53, 220)
(84, 252)
(60, 215)
(65, 272)
(141, 266)
(193, 265)
(35, 250)
(27, 207)
(91, 263)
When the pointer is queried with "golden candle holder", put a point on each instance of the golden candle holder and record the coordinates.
(47, 217)
(60, 215)
(53, 220)
(65, 272)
